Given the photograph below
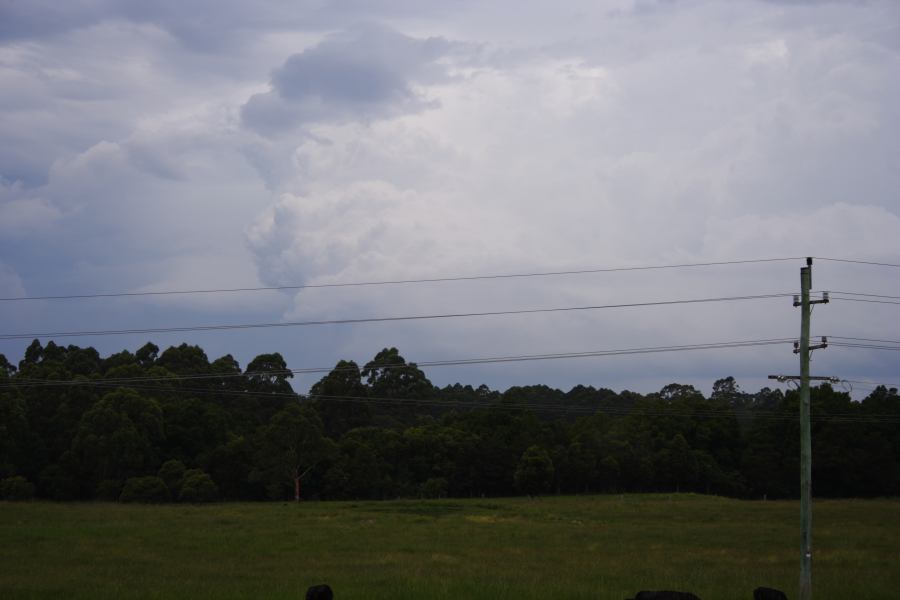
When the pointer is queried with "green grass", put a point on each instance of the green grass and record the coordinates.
(598, 547)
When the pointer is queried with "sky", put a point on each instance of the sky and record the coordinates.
(205, 144)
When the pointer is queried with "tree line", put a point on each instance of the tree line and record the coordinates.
(155, 426)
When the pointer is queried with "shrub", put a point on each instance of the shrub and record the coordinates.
(148, 490)
(197, 487)
(534, 474)
(16, 488)
(435, 487)
(172, 474)
(109, 490)
(56, 483)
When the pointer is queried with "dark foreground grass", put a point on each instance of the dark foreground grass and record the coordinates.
(603, 547)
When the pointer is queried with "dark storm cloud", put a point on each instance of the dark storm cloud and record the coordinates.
(366, 73)
(196, 23)
(23, 19)
(199, 24)
(19, 164)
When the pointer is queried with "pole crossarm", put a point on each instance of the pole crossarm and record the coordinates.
(821, 346)
(783, 378)
(826, 298)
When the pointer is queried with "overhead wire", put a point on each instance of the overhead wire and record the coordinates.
(859, 339)
(140, 383)
(351, 321)
(17, 382)
(876, 384)
(657, 411)
(97, 295)
(867, 300)
(867, 295)
(540, 407)
(94, 295)
(859, 262)
(864, 346)
(423, 364)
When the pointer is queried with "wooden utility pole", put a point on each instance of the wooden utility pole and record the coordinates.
(804, 349)
(805, 438)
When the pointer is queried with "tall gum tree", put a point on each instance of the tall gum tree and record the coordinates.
(291, 445)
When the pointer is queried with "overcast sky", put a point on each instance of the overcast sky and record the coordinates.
(150, 146)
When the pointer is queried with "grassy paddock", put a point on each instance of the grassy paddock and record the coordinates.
(598, 547)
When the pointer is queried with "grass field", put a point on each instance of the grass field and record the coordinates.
(598, 547)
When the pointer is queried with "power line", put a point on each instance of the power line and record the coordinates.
(858, 339)
(393, 282)
(859, 262)
(25, 382)
(867, 295)
(105, 332)
(865, 300)
(540, 407)
(658, 411)
(875, 384)
(865, 346)
(544, 407)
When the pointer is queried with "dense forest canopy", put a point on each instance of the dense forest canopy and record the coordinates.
(175, 426)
